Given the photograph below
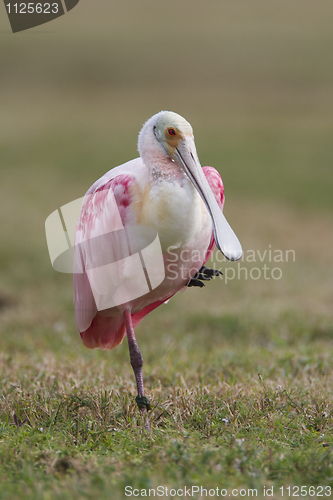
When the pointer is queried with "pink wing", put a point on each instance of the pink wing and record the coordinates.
(216, 185)
(95, 329)
(105, 209)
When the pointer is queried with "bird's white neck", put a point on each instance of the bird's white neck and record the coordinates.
(156, 159)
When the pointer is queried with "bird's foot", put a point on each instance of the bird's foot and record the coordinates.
(204, 274)
(143, 402)
(144, 407)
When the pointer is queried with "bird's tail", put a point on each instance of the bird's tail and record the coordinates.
(104, 333)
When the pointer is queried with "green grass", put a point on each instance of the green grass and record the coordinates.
(235, 405)
(239, 373)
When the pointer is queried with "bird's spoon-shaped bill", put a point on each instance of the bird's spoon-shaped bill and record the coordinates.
(226, 240)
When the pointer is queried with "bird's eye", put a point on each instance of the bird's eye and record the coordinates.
(171, 131)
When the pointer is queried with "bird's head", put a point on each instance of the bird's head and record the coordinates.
(171, 130)
(168, 135)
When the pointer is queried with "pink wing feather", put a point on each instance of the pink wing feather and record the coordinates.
(96, 218)
(99, 215)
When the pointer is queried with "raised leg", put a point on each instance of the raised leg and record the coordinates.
(137, 362)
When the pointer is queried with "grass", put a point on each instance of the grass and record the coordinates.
(235, 416)
(239, 373)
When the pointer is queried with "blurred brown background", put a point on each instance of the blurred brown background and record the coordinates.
(255, 79)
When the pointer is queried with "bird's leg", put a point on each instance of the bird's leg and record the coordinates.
(204, 274)
(137, 362)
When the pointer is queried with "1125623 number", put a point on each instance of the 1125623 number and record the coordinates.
(31, 8)
(306, 491)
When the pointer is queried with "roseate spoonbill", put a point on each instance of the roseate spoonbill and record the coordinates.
(165, 189)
